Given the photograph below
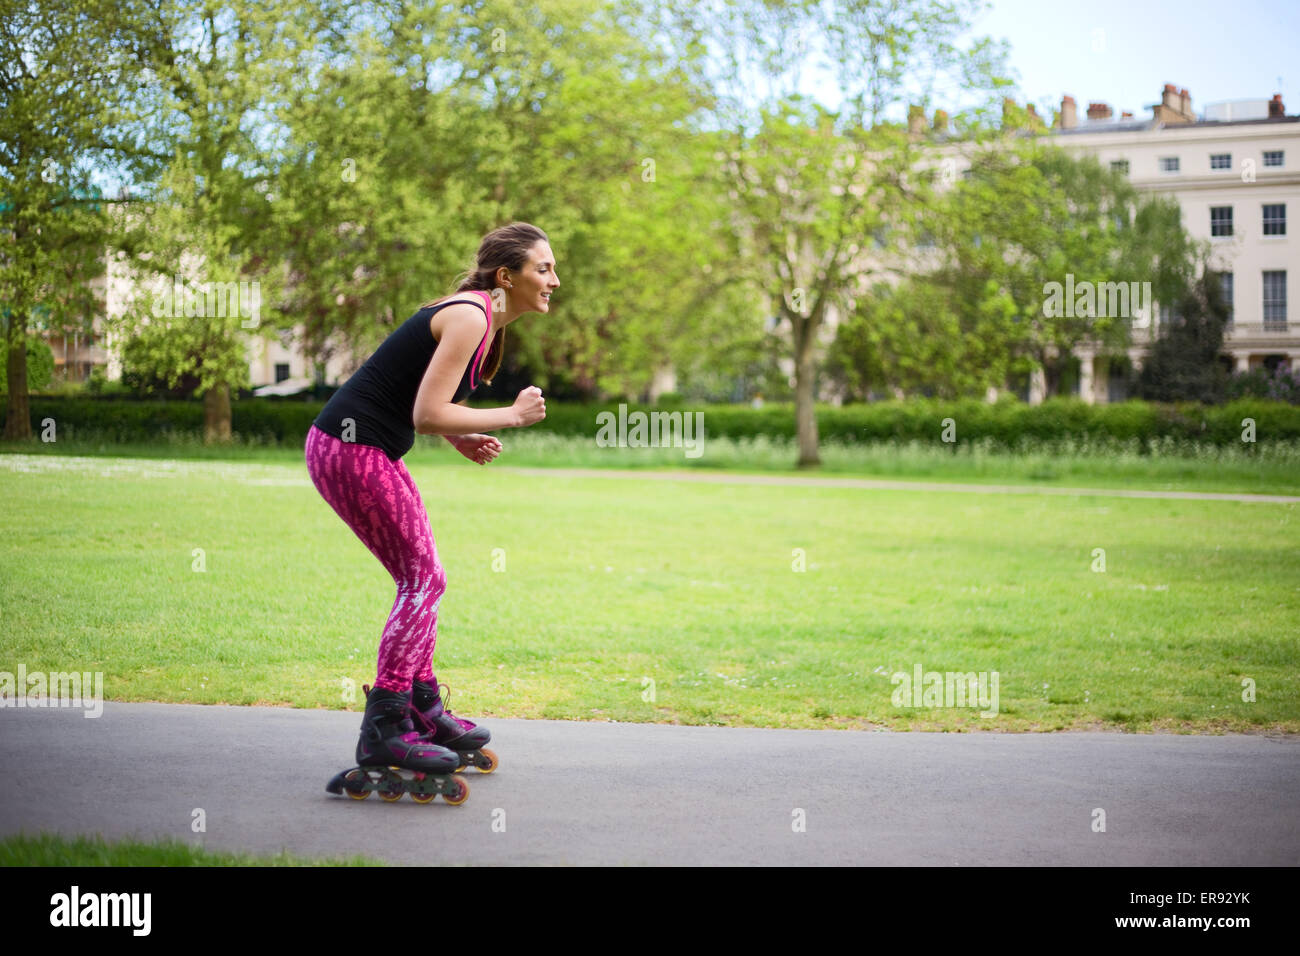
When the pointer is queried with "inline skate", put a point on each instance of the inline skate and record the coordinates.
(438, 725)
(392, 758)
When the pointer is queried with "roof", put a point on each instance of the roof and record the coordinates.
(1124, 126)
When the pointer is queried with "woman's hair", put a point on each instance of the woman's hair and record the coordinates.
(508, 246)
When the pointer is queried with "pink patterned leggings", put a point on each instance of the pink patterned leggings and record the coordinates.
(380, 503)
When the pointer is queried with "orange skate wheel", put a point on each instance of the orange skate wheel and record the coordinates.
(355, 778)
(393, 787)
(461, 794)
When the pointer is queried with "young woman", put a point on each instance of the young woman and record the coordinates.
(416, 381)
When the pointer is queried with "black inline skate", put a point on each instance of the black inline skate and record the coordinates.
(440, 726)
(393, 759)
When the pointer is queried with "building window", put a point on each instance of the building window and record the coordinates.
(1272, 157)
(1220, 220)
(1119, 166)
(1225, 286)
(1169, 164)
(281, 371)
(1275, 219)
(1275, 301)
(1221, 160)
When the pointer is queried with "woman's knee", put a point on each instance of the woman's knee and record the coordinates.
(428, 581)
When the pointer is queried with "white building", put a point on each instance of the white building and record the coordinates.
(1235, 171)
(276, 364)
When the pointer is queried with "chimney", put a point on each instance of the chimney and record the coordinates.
(940, 121)
(1069, 113)
(1275, 108)
(1125, 115)
(916, 120)
(1175, 107)
(1098, 111)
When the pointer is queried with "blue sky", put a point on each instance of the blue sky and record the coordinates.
(1123, 52)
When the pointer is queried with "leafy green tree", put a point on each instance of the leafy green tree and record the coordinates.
(1183, 364)
(445, 122)
(40, 365)
(920, 336)
(1032, 219)
(809, 184)
(60, 65)
(996, 256)
(204, 187)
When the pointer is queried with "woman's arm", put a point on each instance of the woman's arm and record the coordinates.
(434, 413)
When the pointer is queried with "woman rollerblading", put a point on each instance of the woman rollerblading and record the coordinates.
(417, 381)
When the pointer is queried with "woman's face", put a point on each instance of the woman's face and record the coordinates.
(533, 286)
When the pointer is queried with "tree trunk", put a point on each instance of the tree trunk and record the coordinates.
(805, 416)
(216, 414)
(18, 421)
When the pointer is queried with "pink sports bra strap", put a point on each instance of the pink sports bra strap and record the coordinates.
(474, 368)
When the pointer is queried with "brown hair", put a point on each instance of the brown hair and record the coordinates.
(508, 246)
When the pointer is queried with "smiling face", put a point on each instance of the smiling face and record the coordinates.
(532, 286)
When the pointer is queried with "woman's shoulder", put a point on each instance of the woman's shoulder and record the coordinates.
(471, 297)
(438, 316)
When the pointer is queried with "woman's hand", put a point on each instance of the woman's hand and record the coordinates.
(530, 407)
(479, 448)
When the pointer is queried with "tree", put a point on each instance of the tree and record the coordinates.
(920, 335)
(809, 183)
(1032, 254)
(1050, 221)
(445, 122)
(207, 110)
(40, 365)
(1183, 365)
(59, 67)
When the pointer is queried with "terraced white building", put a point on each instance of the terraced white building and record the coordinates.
(1235, 171)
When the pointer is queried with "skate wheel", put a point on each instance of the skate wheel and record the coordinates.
(423, 797)
(461, 794)
(488, 762)
(353, 785)
(393, 788)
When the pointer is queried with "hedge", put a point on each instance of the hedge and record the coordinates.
(1005, 423)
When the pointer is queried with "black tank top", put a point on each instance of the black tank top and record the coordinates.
(380, 395)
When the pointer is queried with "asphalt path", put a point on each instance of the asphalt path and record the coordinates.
(575, 793)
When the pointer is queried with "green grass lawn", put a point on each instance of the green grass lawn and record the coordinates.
(1266, 468)
(48, 849)
(642, 600)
